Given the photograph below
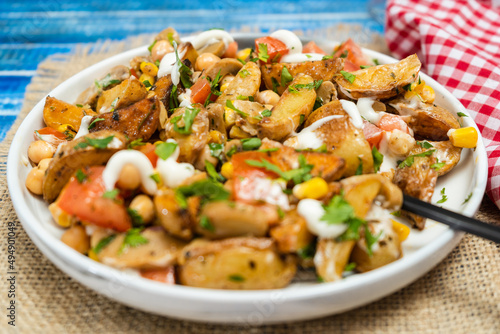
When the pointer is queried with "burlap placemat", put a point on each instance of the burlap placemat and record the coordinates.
(460, 295)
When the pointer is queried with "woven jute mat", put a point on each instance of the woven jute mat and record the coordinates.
(460, 295)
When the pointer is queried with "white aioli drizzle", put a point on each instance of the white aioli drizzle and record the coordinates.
(133, 157)
(267, 190)
(173, 173)
(292, 42)
(211, 36)
(353, 112)
(84, 127)
(307, 138)
(390, 160)
(312, 211)
(185, 99)
(300, 57)
(365, 107)
(169, 65)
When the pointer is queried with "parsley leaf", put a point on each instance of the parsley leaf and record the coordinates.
(338, 211)
(111, 194)
(207, 189)
(467, 198)
(375, 61)
(365, 66)
(147, 84)
(262, 53)
(95, 142)
(378, 158)
(236, 278)
(230, 105)
(80, 176)
(408, 162)
(308, 251)
(266, 113)
(250, 144)
(438, 165)
(370, 240)
(286, 77)
(206, 224)
(165, 150)
(184, 71)
(136, 218)
(136, 142)
(210, 168)
(155, 177)
(152, 45)
(461, 114)
(103, 243)
(359, 170)
(189, 116)
(276, 84)
(350, 266)
(348, 76)
(424, 144)
(444, 198)
(297, 175)
(216, 150)
(105, 82)
(133, 238)
(344, 54)
(326, 57)
(244, 73)
(92, 125)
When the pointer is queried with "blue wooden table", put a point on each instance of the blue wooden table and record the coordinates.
(32, 30)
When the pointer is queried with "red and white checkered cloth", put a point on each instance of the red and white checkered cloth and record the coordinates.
(458, 43)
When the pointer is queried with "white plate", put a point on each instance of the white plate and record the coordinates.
(299, 301)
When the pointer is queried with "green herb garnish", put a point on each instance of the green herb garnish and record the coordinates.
(212, 172)
(189, 116)
(165, 150)
(286, 77)
(80, 176)
(236, 277)
(230, 105)
(111, 194)
(216, 150)
(262, 53)
(408, 162)
(92, 125)
(444, 198)
(250, 144)
(348, 76)
(136, 218)
(206, 224)
(378, 158)
(133, 238)
(103, 243)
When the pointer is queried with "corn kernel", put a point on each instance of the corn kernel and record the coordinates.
(427, 94)
(223, 87)
(227, 170)
(424, 92)
(148, 78)
(65, 127)
(215, 137)
(243, 54)
(314, 188)
(401, 230)
(463, 137)
(62, 218)
(149, 68)
(93, 255)
(229, 117)
(158, 142)
(238, 133)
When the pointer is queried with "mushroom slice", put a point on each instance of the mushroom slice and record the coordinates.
(381, 82)
(218, 48)
(223, 67)
(235, 263)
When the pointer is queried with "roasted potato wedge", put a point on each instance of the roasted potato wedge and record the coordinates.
(382, 81)
(139, 120)
(223, 67)
(245, 83)
(126, 93)
(188, 52)
(445, 153)
(174, 219)
(292, 234)
(292, 107)
(72, 157)
(216, 118)
(318, 70)
(387, 249)
(57, 113)
(160, 251)
(192, 144)
(237, 263)
(217, 48)
(234, 219)
(331, 258)
(168, 34)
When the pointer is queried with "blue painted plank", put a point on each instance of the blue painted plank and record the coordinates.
(6, 123)
(26, 57)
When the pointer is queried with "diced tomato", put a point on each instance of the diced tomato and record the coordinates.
(352, 52)
(50, 131)
(241, 168)
(231, 50)
(134, 73)
(149, 151)
(390, 122)
(85, 201)
(275, 48)
(312, 47)
(349, 66)
(200, 91)
(163, 275)
(373, 134)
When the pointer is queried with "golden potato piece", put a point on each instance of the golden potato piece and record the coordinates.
(223, 67)
(292, 110)
(174, 219)
(318, 70)
(237, 263)
(445, 153)
(162, 89)
(160, 251)
(139, 120)
(57, 112)
(292, 234)
(381, 82)
(331, 258)
(72, 156)
(126, 93)
(245, 83)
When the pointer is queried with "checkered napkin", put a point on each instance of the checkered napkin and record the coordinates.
(458, 43)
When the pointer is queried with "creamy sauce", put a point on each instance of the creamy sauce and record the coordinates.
(352, 110)
(267, 190)
(312, 211)
(185, 99)
(390, 160)
(365, 107)
(139, 160)
(210, 37)
(450, 132)
(84, 127)
(408, 109)
(292, 42)
(300, 57)
(307, 138)
(169, 65)
(173, 173)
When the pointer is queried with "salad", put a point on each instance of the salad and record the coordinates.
(206, 165)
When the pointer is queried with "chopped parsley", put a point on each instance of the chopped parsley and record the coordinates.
(312, 85)
(262, 52)
(155, 177)
(438, 165)
(188, 116)
(286, 77)
(210, 168)
(350, 266)
(216, 150)
(444, 198)
(276, 84)
(245, 98)
(375, 61)
(184, 71)
(307, 252)
(378, 158)
(103, 243)
(231, 151)
(424, 144)
(408, 162)
(136, 218)
(266, 150)
(133, 238)
(111, 194)
(230, 105)
(79, 105)
(147, 83)
(206, 224)
(105, 82)
(467, 198)
(244, 73)
(213, 88)
(250, 144)
(136, 142)
(297, 175)
(365, 66)
(207, 189)
(152, 45)
(165, 150)
(344, 54)
(95, 142)
(461, 114)
(236, 277)
(266, 113)
(348, 76)
(92, 125)
(80, 176)
(326, 57)
(281, 213)
(359, 170)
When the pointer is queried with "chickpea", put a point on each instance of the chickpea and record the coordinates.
(227, 79)
(77, 238)
(129, 178)
(34, 180)
(160, 49)
(267, 97)
(39, 150)
(400, 143)
(144, 207)
(205, 60)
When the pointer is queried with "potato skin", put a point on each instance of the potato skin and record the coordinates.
(139, 120)
(445, 152)
(126, 93)
(237, 264)
(383, 81)
(246, 84)
(57, 112)
(318, 70)
(331, 258)
(292, 234)
(174, 219)
(68, 160)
